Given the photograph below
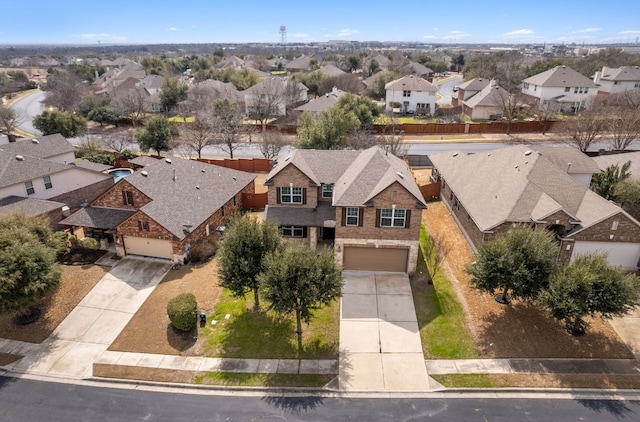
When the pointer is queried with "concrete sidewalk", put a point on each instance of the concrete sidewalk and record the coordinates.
(536, 366)
(380, 346)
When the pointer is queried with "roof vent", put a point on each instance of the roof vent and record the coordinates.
(287, 159)
(400, 175)
(144, 173)
(167, 160)
(527, 152)
(455, 154)
(488, 154)
(202, 170)
(19, 158)
(35, 141)
(197, 187)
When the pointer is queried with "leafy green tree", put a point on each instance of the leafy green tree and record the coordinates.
(97, 109)
(364, 109)
(157, 135)
(377, 88)
(227, 124)
(589, 286)
(171, 93)
(296, 279)
(28, 267)
(241, 258)
(518, 263)
(68, 125)
(605, 182)
(330, 131)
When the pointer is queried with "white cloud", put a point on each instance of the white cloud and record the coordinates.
(518, 33)
(103, 37)
(173, 29)
(631, 32)
(456, 35)
(586, 30)
(343, 33)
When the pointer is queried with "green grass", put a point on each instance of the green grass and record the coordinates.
(266, 380)
(266, 335)
(441, 318)
(465, 380)
(181, 119)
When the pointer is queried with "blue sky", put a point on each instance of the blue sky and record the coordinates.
(197, 21)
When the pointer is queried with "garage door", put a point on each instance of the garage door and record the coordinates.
(148, 247)
(620, 253)
(376, 259)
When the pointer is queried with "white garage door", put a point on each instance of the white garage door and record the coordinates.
(620, 253)
(148, 247)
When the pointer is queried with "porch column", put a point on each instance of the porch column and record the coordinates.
(313, 237)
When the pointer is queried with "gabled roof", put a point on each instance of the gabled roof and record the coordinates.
(571, 160)
(272, 86)
(15, 170)
(97, 217)
(323, 102)
(410, 83)
(301, 63)
(231, 61)
(90, 165)
(475, 84)
(357, 176)
(560, 76)
(517, 184)
(622, 73)
(43, 147)
(184, 193)
(331, 70)
(490, 96)
(604, 161)
(151, 82)
(417, 68)
(29, 207)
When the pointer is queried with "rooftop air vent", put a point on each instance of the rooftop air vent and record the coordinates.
(527, 152)
(400, 175)
(35, 141)
(197, 187)
(287, 159)
(202, 170)
(19, 158)
(144, 173)
(455, 154)
(167, 160)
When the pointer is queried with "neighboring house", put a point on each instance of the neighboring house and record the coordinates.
(561, 89)
(50, 147)
(321, 103)
(383, 62)
(164, 209)
(203, 94)
(619, 159)
(615, 80)
(365, 203)
(152, 84)
(234, 62)
(414, 95)
(488, 104)
(300, 64)
(418, 69)
(489, 192)
(468, 89)
(31, 207)
(273, 96)
(331, 70)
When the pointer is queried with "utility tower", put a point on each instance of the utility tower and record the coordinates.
(283, 35)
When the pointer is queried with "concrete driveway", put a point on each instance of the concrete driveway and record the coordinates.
(95, 323)
(380, 346)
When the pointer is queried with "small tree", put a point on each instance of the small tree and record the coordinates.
(28, 267)
(157, 135)
(183, 311)
(583, 130)
(605, 182)
(199, 134)
(271, 144)
(67, 124)
(240, 260)
(9, 121)
(518, 263)
(589, 286)
(296, 279)
(227, 125)
(171, 93)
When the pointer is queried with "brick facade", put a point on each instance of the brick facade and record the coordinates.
(114, 198)
(77, 198)
(291, 176)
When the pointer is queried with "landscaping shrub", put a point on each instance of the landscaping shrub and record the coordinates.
(183, 311)
(203, 250)
(89, 243)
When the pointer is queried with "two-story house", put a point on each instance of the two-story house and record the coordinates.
(410, 95)
(560, 89)
(468, 89)
(366, 203)
(616, 80)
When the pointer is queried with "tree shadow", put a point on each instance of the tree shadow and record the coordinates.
(620, 409)
(294, 404)
(181, 340)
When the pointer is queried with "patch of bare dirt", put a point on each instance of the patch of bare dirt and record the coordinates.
(76, 282)
(422, 176)
(519, 330)
(150, 330)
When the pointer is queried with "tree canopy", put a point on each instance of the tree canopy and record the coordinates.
(518, 263)
(171, 93)
(68, 125)
(28, 267)
(157, 135)
(605, 182)
(227, 124)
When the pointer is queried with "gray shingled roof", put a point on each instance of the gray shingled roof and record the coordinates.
(298, 216)
(90, 165)
(29, 207)
(300, 63)
(323, 102)
(604, 161)
(475, 84)
(43, 147)
(331, 70)
(489, 96)
(13, 170)
(519, 185)
(97, 217)
(560, 76)
(410, 83)
(563, 156)
(321, 166)
(198, 190)
(622, 73)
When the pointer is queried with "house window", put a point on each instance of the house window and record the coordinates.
(636, 85)
(290, 195)
(567, 89)
(525, 85)
(127, 197)
(392, 217)
(352, 216)
(222, 210)
(327, 191)
(235, 202)
(144, 226)
(406, 93)
(47, 182)
(292, 231)
(614, 225)
(616, 82)
(29, 187)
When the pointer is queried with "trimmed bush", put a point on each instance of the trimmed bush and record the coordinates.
(183, 311)
(90, 243)
(203, 250)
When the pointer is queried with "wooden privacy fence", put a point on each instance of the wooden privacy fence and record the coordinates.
(467, 128)
(250, 165)
(254, 200)
(430, 191)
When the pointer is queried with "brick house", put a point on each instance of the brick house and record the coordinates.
(165, 208)
(489, 192)
(364, 203)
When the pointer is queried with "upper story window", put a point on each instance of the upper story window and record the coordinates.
(127, 197)
(327, 191)
(29, 187)
(143, 225)
(636, 85)
(617, 82)
(352, 216)
(406, 93)
(393, 217)
(580, 90)
(47, 182)
(291, 195)
(567, 89)
(525, 85)
(614, 225)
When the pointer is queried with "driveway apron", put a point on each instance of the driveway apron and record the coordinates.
(380, 346)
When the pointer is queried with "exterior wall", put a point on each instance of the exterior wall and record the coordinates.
(464, 219)
(583, 178)
(113, 198)
(424, 97)
(291, 175)
(610, 88)
(394, 194)
(79, 197)
(66, 158)
(130, 227)
(547, 93)
(62, 182)
(484, 112)
(413, 246)
(627, 231)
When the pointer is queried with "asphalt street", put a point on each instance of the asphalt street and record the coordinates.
(28, 107)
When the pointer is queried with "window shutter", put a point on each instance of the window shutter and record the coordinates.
(277, 195)
(304, 196)
(378, 218)
(304, 231)
(407, 219)
(124, 197)
(344, 217)
(360, 217)
(139, 225)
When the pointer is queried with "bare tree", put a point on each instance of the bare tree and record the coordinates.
(272, 97)
(362, 138)
(437, 248)
(184, 150)
(583, 130)
(545, 113)
(64, 90)
(198, 134)
(393, 142)
(271, 144)
(119, 142)
(10, 119)
(623, 124)
(130, 104)
(227, 125)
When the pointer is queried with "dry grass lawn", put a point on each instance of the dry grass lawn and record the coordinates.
(518, 330)
(76, 282)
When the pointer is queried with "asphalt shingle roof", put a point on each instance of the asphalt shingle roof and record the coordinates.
(622, 73)
(97, 217)
(43, 147)
(410, 83)
(560, 76)
(90, 165)
(604, 161)
(29, 207)
(298, 216)
(14, 170)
